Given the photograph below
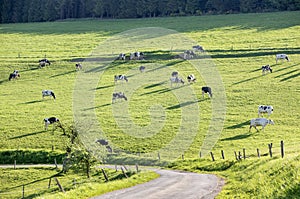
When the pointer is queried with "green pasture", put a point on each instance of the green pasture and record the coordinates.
(238, 46)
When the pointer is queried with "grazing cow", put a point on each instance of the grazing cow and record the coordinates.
(102, 142)
(198, 48)
(118, 95)
(206, 89)
(121, 78)
(260, 122)
(50, 120)
(265, 109)
(282, 56)
(14, 75)
(136, 56)
(43, 62)
(266, 68)
(78, 66)
(48, 93)
(122, 56)
(174, 74)
(142, 68)
(176, 80)
(188, 54)
(191, 78)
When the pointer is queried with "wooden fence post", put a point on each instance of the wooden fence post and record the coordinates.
(116, 167)
(222, 153)
(182, 157)
(137, 168)
(104, 174)
(125, 167)
(212, 156)
(235, 154)
(55, 163)
(244, 153)
(124, 172)
(270, 149)
(49, 184)
(258, 154)
(158, 155)
(15, 163)
(282, 148)
(200, 155)
(23, 191)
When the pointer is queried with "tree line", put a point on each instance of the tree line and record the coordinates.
(19, 11)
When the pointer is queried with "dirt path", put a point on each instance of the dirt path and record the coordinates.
(173, 185)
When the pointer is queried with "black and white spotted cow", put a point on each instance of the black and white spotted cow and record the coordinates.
(122, 56)
(48, 93)
(191, 78)
(260, 122)
(282, 56)
(118, 95)
(120, 78)
(188, 54)
(265, 109)
(14, 75)
(266, 68)
(78, 66)
(43, 62)
(207, 90)
(50, 120)
(136, 56)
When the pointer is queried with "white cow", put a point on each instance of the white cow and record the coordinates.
(265, 109)
(118, 95)
(176, 80)
(260, 122)
(191, 78)
(282, 56)
(48, 93)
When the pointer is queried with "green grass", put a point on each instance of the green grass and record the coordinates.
(238, 44)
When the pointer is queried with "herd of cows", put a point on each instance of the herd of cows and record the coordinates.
(174, 79)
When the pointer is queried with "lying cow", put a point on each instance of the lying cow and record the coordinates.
(48, 93)
(43, 62)
(14, 75)
(191, 78)
(121, 78)
(282, 56)
(176, 80)
(118, 95)
(260, 122)
(266, 68)
(50, 120)
(78, 66)
(142, 68)
(207, 90)
(265, 109)
(198, 48)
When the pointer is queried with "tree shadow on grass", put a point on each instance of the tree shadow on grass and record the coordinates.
(103, 87)
(95, 107)
(26, 135)
(237, 137)
(290, 77)
(61, 74)
(246, 80)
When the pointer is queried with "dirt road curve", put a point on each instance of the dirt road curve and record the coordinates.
(171, 185)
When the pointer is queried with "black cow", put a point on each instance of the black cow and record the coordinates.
(14, 75)
(43, 62)
(206, 89)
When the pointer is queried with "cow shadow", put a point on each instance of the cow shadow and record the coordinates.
(32, 102)
(103, 87)
(182, 105)
(26, 135)
(238, 125)
(95, 107)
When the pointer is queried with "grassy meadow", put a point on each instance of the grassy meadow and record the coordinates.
(238, 46)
